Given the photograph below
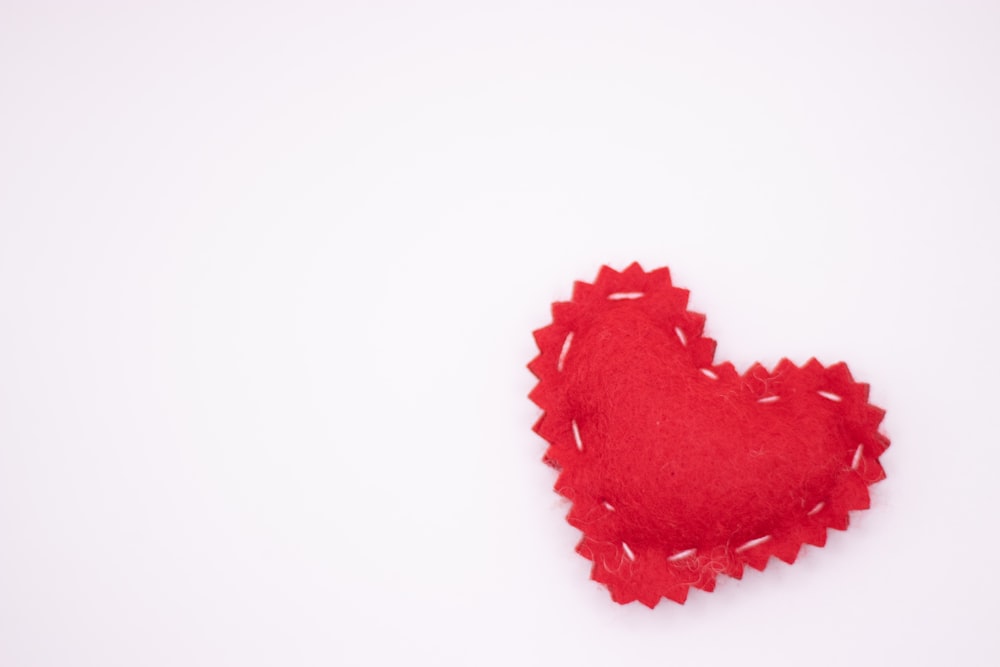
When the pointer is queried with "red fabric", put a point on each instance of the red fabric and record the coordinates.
(679, 468)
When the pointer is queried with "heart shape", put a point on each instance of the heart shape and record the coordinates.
(678, 468)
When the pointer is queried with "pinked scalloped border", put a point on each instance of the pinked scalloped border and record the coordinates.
(651, 575)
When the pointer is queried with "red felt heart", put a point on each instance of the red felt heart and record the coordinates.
(679, 468)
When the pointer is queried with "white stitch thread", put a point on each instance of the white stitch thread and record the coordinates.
(857, 457)
(608, 506)
(818, 507)
(830, 396)
(576, 435)
(628, 552)
(768, 399)
(709, 373)
(752, 543)
(680, 335)
(564, 352)
(618, 296)
(680, 555)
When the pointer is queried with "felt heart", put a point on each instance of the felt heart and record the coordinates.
(678, 468)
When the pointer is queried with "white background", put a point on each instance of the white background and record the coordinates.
(269, 272)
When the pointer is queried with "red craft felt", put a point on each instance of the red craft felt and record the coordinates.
(679, 468)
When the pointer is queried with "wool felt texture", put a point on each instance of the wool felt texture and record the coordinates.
(679, 468)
